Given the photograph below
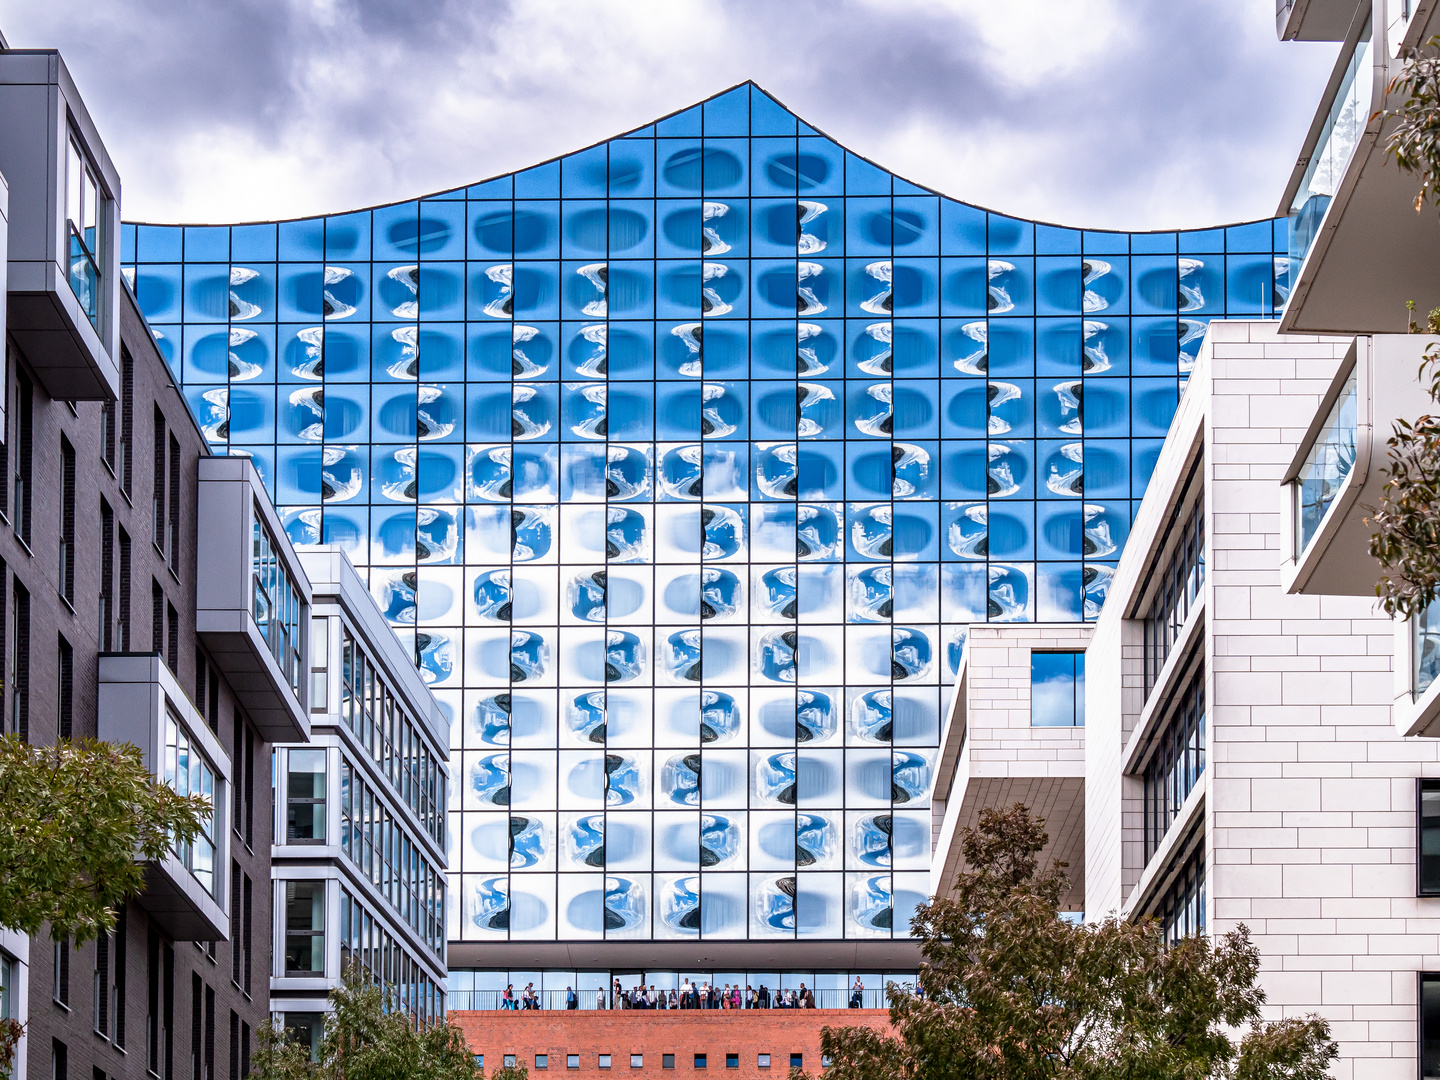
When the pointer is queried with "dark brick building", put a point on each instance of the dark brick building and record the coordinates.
(100, 552)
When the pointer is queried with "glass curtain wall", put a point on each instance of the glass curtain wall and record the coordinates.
(683, 462)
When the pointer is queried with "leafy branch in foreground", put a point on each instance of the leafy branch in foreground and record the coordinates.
(74, 817)
(1011, 991)
(368, 1038)
(1414, 142)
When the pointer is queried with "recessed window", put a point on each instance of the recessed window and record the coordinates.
(604, 1061)
(700, 1061)
(509, 1061)
(1430, 1025)
(1428, 883)
(479, 1061)
(763, 1060)
(1057, 689)
(732, 1061)
(797, 1061)
(667, 1061)
(542, 1061)
(826, 1061)
(637, 1060)
(572, 1061)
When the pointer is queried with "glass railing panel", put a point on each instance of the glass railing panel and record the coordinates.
(1426, 627)
(1336, 145)
(1328, 463)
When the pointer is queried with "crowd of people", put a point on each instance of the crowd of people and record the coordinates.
(702, 995)
(690, 995)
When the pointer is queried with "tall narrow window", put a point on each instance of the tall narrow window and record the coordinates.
(157, 618)
(107, 433)
(235, 916)
(172, 638)
(20, 500)
(153, 1036)
(209, 1033)
(247, 930)
(122, 622)
(305, 799)
(249, 787)
(100, 991)
(202, 692)
(197, 1020)
(18, 661)
(174, 510)
(117, 978)
(304, 928)
(85, 218)
(65, 571)
(213, 706)
(60, 984)
(106, 635)
(59, 1060)
(159, 483)
(65, 671)
(124, 444)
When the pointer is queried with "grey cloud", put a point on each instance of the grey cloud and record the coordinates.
(1194, 113)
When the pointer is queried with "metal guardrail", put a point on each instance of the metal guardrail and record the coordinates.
(592, 1000)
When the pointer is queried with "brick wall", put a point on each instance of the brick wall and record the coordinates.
(652, 1034)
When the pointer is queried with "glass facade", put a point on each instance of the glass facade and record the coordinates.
(683, 462)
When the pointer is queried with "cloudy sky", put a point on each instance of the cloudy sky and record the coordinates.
(1108, 113)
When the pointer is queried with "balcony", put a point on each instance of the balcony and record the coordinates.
(140, 703)
(1001, 745)
(1315, 20)
(1338, 468)
(64, 238)
(1359, 249)
(253, 599)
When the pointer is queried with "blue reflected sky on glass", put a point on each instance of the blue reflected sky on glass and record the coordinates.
(682, 463)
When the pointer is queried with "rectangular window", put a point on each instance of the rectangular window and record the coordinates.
(276, 603)
(213, 706)
(234, 1045)
(572, 1061)
(247, 935)
(24, 417)
(197, 1031)
(305, 797)
(797, 1061)
(1176, 592)
(1176, 761)
(59, 1060)
(122, 620)
(244, 1049)
(237, 952)
(667, 1061)
(173, 547)
(762, 1060)
(85, 219)
(158, 483)
(249, 788)
(319, 665)
(637, 1061)
(1429, 1025)
(304, 928)
(189, 772)
(201, 689)
(124, 452)
(8, 989)
(65, 666)
(65, 570)
(542, 1061)
(209, 1033)
(604, 1061)
(117, 979)
(509, 1060)
(1057, 689)
(732, 1061)
(107, 433)
(60, 975)
(106, 629)
(1428, 860)
(699, 1061)
(18, 661)
(1181, 909)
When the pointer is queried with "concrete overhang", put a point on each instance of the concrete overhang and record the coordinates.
(1315, 20)
(1336, 561)
(1372, 251)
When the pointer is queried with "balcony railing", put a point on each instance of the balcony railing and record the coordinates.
(1336, 145)
(1326, 466)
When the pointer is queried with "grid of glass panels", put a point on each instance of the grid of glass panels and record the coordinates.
(684, 461)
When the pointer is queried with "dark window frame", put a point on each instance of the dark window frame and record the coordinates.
(65, 542)
(1422, 785)
(65, 686)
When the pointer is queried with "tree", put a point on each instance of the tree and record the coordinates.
(368, 1038)
(1011, 991)
(74, 819)
(1406, 541)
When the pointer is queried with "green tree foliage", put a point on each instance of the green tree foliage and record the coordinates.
(368, 1038)
(1013, 992)
(1406, 541)
(73, 819)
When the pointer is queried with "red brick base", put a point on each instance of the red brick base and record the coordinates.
(654, 1033)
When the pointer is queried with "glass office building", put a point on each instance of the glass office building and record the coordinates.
(685, 461)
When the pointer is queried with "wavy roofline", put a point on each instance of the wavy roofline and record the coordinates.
(752, 84)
